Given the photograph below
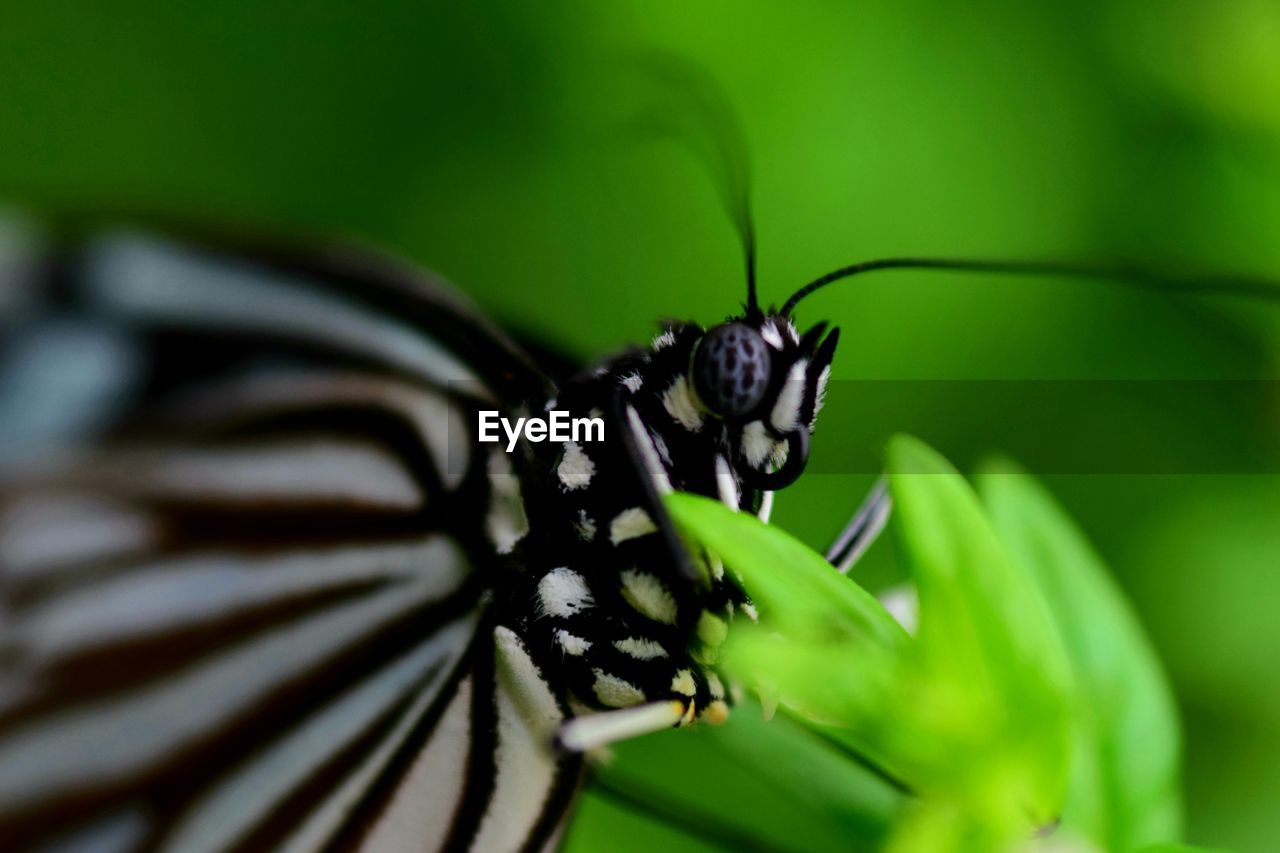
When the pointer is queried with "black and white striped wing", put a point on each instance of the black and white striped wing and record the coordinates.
(244, 556)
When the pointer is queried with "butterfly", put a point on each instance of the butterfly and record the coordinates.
(264, 587)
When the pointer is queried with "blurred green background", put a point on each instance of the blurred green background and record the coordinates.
(483, 140)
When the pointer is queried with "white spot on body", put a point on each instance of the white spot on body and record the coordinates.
(640, 648)
(563, 593)
(757, 444)
(633, 381)
(630, 524)
(717, 567)
(771, 335)
(576, 468)
(678, 401)
(712, 630)
(647, 595)
(664, 340)
(585, 525)
(683, 684)
(570, 644)
(614, 691)
(786, 411)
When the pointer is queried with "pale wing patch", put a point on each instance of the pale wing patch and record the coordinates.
(421, 808)
(520, 679)
(528, 716)
(506, 522)
(40, 533)
(563, 593)
(647, 595)
(319, 470)
(201, 589)
(576, 468)
(434, 415)
(133, 276)
(133, 732)
(630, 524)
(229, 810)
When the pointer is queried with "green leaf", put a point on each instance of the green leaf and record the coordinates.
(775, 782)
(993, 685)
(973, 713)
(825, 644)
(1124, 790)
(789, 578)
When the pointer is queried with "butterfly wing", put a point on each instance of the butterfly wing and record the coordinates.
(244, 569)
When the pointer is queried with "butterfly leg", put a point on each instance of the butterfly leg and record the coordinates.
(862, 529)
(591, 731)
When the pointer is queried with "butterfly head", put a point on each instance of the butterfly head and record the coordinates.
(765, 382)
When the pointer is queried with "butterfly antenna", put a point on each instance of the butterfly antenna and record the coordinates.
(691, 108)
(1134, 276)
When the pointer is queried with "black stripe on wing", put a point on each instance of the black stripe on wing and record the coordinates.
(315, 298)
(163, 660)
(240, 612)
(158, 734)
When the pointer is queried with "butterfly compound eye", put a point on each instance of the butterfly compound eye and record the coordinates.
(731, 370)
